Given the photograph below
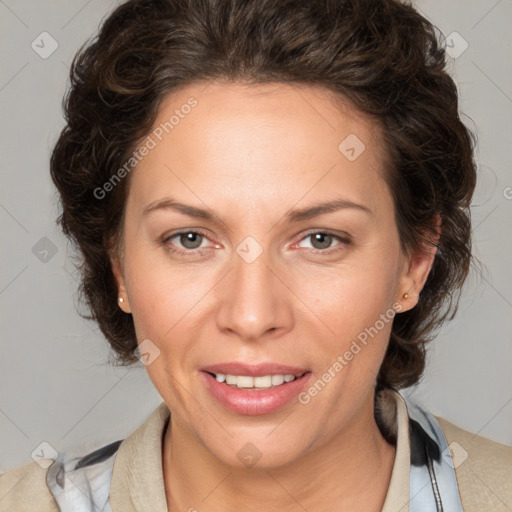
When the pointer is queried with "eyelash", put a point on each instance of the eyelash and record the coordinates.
(345, 240)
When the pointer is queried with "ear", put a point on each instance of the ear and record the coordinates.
(116, 262)
(416, 269)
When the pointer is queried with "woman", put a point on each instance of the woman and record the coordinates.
(271, 201)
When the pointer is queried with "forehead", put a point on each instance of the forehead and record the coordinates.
(254, 143)
(310, 111)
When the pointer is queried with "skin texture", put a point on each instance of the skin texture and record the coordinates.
(250, 154)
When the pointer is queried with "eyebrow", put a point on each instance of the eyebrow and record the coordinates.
(185, 209)
(319, 209)
(292, 216)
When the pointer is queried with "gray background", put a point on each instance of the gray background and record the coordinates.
(56, 383)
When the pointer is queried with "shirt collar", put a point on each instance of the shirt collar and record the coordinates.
(137, 479)
(397, 497)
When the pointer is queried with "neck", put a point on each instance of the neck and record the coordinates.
(355, 463)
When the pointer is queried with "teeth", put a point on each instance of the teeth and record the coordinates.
(277, 380)
(262, 382)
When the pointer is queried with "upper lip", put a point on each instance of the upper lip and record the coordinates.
(253, 370)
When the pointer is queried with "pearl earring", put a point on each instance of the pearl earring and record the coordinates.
(406, 295)
(120, 299)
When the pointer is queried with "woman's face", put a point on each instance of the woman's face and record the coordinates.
(261, 274)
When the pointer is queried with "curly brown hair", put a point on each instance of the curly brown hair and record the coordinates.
(381, 55)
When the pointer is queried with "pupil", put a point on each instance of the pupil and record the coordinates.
(325, 237)
(189, 238)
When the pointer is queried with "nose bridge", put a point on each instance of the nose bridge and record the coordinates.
(253, 302)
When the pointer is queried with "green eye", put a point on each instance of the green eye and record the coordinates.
(322, 241)
(190, 238)
(190, 241)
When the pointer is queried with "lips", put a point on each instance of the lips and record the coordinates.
(253, 402)
(254, 370)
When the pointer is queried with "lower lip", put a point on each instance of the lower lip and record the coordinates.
(252, 403)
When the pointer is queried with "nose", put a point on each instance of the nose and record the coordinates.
(255, 302)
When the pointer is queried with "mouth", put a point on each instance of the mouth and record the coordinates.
(263, 392)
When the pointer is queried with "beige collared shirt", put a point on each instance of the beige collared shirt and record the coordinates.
(137, 483)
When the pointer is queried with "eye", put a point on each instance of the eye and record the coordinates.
(322, 241)
(191, 242)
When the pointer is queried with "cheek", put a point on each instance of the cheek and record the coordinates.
(162, 305)
(349, 298)
(353, 307)
(162, 296)
(164, 302)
